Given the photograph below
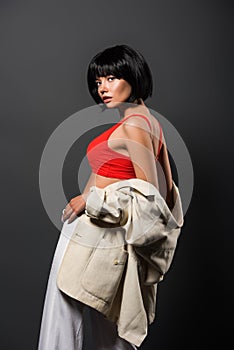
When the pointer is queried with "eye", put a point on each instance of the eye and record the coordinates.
(98, 82)
(111, 78)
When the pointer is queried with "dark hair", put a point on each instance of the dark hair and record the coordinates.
(124, 63)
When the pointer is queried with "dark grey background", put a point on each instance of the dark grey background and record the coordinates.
(45, 50)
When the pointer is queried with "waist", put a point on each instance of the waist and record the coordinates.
(103, 181)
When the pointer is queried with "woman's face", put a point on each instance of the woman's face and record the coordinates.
(112, 90)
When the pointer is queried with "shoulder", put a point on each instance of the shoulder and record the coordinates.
(138, 128)
(137, 121)
(140, 120)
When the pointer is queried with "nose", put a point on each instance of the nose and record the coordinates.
(103, 87)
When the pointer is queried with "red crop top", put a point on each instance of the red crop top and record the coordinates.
(109, 163)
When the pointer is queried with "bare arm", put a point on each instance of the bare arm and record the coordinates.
(140, 148)
(165, 164)
(142, 153)
(90, 182)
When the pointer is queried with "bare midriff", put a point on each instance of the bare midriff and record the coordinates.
(103, 181)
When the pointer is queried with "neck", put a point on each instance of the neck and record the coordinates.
(130, 108)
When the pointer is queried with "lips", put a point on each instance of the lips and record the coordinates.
(106, 99)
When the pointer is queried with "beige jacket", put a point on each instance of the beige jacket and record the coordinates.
(120, 249)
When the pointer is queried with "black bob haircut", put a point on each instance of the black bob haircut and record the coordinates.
(125, 63)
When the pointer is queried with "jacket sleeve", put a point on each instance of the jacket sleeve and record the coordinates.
(147, 222)
(156, 245)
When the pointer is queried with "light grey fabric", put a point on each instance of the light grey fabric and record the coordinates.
(120, 249)
(68, 324)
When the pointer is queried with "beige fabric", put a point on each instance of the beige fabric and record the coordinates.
(120, 249)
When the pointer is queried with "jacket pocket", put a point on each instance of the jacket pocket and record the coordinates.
(103, 272)
(158, 262)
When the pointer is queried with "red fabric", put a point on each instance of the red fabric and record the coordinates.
(109, 163)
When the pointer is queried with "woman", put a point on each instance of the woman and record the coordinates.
(120, 78)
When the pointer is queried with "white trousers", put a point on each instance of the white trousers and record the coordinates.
(68, 324)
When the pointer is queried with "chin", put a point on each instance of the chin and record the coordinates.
(113, 104)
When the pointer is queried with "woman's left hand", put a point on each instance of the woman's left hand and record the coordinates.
(73, 208)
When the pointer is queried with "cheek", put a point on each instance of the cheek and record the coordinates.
(126, 89)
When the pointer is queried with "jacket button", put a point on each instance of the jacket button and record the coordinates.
(116, 262)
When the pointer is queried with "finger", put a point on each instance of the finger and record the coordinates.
(72, 217)
(67, 212)
(62, 216)
(62, 220)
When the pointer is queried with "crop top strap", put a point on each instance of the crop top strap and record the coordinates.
(137, 115)
(160, 128)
